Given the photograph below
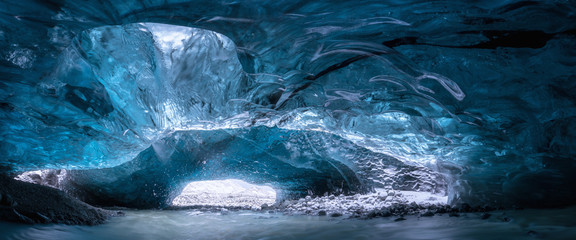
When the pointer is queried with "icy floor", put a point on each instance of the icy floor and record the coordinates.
(230, 225)
(362, 203)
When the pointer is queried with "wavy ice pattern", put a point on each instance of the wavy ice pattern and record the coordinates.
(473, 100)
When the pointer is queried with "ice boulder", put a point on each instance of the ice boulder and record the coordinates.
(117, 89)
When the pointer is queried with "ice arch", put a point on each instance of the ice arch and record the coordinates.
(153, 106)
(463, 95)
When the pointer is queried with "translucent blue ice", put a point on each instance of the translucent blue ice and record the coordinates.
(472, 98)
(116, 89)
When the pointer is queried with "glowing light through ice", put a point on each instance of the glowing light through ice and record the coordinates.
(225, 193)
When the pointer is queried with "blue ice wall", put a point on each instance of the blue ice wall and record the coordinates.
(296, 163)
(480, 92)
(116, 89)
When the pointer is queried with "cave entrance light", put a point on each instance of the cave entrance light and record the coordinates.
(225, 193)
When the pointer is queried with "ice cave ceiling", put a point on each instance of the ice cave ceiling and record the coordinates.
(474, 99)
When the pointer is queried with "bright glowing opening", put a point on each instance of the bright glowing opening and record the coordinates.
(225, 193)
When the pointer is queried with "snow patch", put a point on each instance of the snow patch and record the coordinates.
(225, 193)
(363, 203)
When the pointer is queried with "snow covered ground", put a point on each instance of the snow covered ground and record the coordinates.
(362, 203)
(225, 193)
(237, 193)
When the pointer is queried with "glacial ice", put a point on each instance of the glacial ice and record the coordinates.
(123, 86)
(136, 99)
(295, 163)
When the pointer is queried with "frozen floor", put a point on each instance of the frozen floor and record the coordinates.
(227, 225)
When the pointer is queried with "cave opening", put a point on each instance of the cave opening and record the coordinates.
(225, 193)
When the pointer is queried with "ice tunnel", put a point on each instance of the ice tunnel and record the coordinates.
(136, 99)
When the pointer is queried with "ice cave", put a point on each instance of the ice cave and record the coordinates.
(287, 119)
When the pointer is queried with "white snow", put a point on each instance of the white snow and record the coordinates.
(423, 197)
(225, 193)
(364, 203)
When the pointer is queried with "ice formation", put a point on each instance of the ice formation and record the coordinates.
(136, 99)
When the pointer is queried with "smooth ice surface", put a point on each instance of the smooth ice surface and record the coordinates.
(225, 193)
(558, 224)
(474, 99)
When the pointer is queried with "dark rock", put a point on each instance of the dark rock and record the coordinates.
(385, 213)
(465, 207)
(6, 200)
(336, 214)
(32, 204)
(485, 216)
(39, 217)
(427, 214)
(454, 214)
(373, 214)
(399, 219)
(441, 210)
(14, 216)
(322, 213)
(356, 215)
(488, 208)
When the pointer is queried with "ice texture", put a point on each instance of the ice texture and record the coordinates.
(116, 89)
(471, 99)
(295, 163)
